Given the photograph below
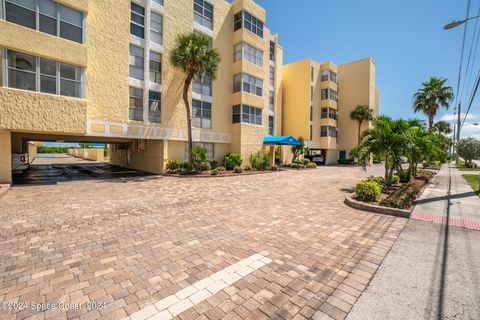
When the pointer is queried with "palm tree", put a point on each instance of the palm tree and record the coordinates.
(433, 95)
(195, 56)
(385, 139)
(360, 114)
(442, 127)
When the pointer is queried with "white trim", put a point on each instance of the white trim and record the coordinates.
(2, 9)
(136, 83)
(198, 27)
(155, 87)
(272, 63)
(136, 41)
(201, 97)
(142, 3)
(157, 8)
(181, 133)
(157, 48)
(4, 67)
(271, 113)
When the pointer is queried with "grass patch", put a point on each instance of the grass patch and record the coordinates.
(473, 180)
(461, 166)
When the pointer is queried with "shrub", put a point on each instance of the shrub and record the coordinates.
(220, 169)
(436, 164)
(274, 168)
(367, 191)
(380, 181)
(214, 172)
(106, 152)
(184, 165)
(471, 165)
(346, 161)
(424, 164)
(173, 166)
(259, 161)
(200, 159)
(184, 171)
(305, 161)
(238, 169)
(232, 160)
(296, 165)
(311, 165)
(213, 164)
(404, 176)
(247, 167)
(395, 179)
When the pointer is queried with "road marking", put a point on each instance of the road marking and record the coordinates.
(173, 305)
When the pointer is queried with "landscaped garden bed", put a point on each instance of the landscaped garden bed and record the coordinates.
(232, 165)
(374, 193)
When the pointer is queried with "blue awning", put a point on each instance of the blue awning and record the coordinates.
(280, 140)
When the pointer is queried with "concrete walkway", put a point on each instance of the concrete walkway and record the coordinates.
(433, 270)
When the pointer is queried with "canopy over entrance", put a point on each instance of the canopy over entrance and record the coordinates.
(280, 141)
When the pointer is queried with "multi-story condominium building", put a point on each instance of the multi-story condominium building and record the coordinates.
(99, 71)
(318, 99)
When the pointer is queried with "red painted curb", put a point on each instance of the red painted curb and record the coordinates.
(443, 220)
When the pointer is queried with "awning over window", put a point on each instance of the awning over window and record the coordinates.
(280, 141)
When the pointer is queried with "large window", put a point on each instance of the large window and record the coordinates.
(247, 114)
(328, 131)
(271, 123)
(203, 13)
(26, 71)
(272, 51)
(329, 113)
(136, 62)
(53, 18)
(247, 83)
(271, 100)
(137, 20)
(249, 53)
(202, 114)
(135, 111)
(156, 27)
(245, 20)
(329, 94)
(154, 106)
(155, 67)
(202, 85)
(271, 76)
(328, 75)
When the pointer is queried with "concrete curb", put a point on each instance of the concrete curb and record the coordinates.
(4, 189)
(377, 209)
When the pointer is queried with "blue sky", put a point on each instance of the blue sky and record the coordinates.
(405, 38)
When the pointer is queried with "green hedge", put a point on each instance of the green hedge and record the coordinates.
(368, 191)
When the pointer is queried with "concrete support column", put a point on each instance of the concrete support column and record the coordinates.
(5, 156)
(272, 156)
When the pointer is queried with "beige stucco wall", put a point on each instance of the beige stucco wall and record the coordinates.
(356, 87)
(150, 160)
(32, 111)
(94, 154)
(296, 99)
(5, 157)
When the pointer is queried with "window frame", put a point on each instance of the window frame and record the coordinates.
(151, 115)
(248, 53)
(202, 81)
(37, 15)
(248, 84)
(150, 70)
(253, 115)
(202, 118)
(142, 78)
(244, 19)
(152, 30)
(331, 132)
(139, 98)
(137, 24)
(205, 21)
(6, 69)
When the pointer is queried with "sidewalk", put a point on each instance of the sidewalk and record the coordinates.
(432, 271)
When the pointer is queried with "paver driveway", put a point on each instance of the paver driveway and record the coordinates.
(130, 243)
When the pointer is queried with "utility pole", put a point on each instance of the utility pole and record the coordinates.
(459, 125)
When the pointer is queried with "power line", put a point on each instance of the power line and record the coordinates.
(469, 56)
(472, 97)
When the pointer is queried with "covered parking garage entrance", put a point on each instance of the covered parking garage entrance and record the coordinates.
(46, 159)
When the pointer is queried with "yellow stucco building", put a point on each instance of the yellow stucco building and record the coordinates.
(318, 98)
(99, 71)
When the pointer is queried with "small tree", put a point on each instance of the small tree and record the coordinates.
(469, 149)
(360, 114)
(299, 149)
(195, 56)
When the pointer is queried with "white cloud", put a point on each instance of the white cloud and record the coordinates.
(470, 131)
(451, 117)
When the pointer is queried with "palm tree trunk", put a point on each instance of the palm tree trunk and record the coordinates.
(359, 131)
(186, 89)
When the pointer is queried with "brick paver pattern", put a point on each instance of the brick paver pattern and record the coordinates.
(131, 243)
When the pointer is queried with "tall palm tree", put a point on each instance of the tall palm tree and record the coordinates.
(195, 56)
(360, 114)
(433, 95)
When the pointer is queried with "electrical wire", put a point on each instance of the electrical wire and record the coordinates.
(475, 29)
